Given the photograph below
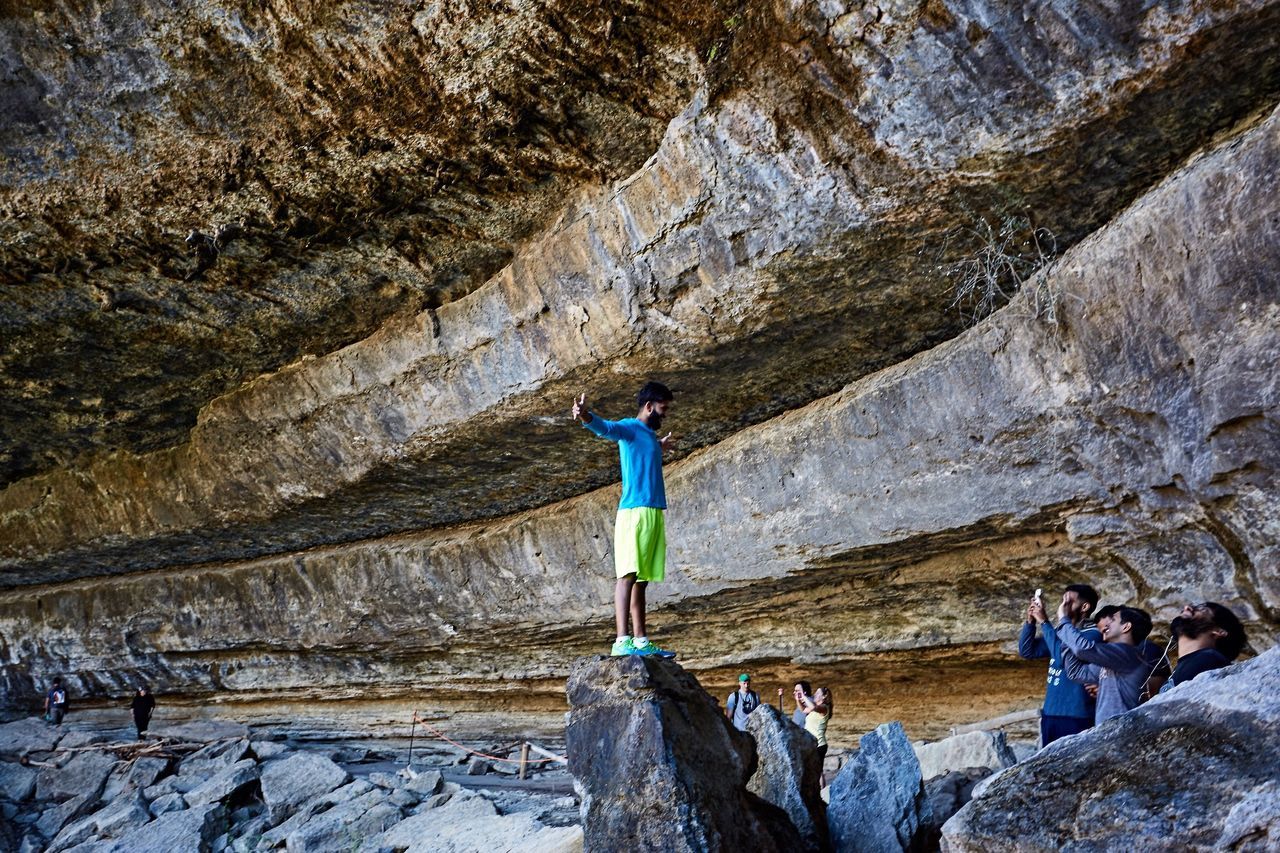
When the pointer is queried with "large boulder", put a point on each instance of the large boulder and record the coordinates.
(658, 767)
(214, 758)
(878, 799)
(192, 829)
(224, 784)
(138, 775)
(962, 752)
(84, 775)
(292, 781)
(1190, 770)
(789, 774)
(16, 782)
(22, 737)
(345, 826)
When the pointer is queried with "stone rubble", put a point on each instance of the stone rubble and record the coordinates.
(231, 794)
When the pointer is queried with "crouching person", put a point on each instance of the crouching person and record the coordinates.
(1115, 663)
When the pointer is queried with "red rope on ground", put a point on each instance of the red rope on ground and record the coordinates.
(470, 751)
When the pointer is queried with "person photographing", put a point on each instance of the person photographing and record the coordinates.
(1113, 662)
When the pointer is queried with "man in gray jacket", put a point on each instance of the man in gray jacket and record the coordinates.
(1114, 664)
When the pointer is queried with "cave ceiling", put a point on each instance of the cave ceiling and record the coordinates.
(282, 274)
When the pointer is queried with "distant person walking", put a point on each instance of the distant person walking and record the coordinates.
(55, 703)
(639, 533)
(143, 705)
(741, 703)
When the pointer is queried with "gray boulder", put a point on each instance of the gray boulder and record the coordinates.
(138, 775)
(265, 749)
(193, 829)
(56, 817)
(214, 758)
(478, 767)
(84, 775)
(962, 752)
(345, 827)
(425, 784)
(224, 784)
(1193, 768)
(121, 817)
(17, 783)
(878, 799)
(166, 803)
(789, 774)
(292, 781)
(23, 737)
(386, 780)
(658, 767)
(464, 809)
(359, 789)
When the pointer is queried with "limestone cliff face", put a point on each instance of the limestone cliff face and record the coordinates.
(412, 514)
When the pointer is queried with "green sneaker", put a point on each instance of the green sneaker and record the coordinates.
(623, 647)
(651, 648)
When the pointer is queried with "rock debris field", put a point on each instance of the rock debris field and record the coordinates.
(214, 787)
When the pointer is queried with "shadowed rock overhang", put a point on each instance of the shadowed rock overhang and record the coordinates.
(783, 239)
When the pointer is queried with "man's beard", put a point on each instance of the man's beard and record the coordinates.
(1190, 628)
(653, 421)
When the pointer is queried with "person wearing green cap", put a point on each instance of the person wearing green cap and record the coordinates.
(741, 703)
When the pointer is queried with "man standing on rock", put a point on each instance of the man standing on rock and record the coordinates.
(55, 703)
(639, 534)
(1068, 707)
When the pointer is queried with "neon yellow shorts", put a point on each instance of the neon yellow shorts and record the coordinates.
(640, 543)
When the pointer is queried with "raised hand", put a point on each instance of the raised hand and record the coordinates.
(580, 409)
(667, 442)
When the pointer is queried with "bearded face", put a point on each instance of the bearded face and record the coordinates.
(1193, 623)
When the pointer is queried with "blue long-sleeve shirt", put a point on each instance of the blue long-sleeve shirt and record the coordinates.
(1062, 696)
(1119, 669)
(640, 451)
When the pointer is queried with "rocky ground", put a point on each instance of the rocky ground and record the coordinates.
(219, 787)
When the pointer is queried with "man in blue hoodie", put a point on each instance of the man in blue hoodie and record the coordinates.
(639, 533)
(1068, 707)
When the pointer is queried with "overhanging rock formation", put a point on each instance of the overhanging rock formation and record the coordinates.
(783, 239)
(1133, 441)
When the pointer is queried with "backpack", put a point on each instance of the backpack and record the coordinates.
(59, 697)
(753, 701)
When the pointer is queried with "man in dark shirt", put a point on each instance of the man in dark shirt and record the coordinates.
(55, 703)
(1209, 637)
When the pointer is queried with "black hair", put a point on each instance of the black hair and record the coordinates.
(1231, 645)
(1139, 622)
(654, 392)
(1104, 612)
(57, 681)
(804, 686)
(1085, 593)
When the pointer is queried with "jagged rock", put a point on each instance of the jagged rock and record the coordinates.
(464, 809)
(789, 773)
(214, 758)
(657, 766)
(249, 833)
(1167, 774)
(947, 794)
(877, 799)
(202, 731)
(426, 783)
(225, 783)
(478, 767)
(1253, 824)
(447, 831)
(299, 815)
(116, 819)
(84, 775)
(17, 783)
(54, 818)
(192, 829)
(140, 774)
(345, 825)
(290, 782)
(165, 803)
(76, 738)
(265, 749)
(385, 780)
(404, 798)
(31, 734)
(961, 752)
(31, 844)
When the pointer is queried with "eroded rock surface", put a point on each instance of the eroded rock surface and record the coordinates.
(657, 766)
(1193, 769)
(878, 799)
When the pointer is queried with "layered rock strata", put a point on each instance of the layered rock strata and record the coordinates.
(891, 530)
(783, 239)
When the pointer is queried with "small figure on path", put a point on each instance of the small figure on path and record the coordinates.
(143, 705)
(741, 703)
(55, 703)
(639, 534)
